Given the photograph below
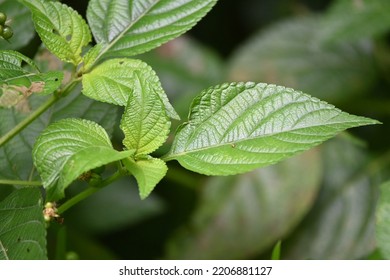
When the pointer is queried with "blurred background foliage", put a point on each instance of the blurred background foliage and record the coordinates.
(321, 204)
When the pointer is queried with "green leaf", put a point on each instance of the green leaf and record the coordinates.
(242, 216)
(383, 221)
(17, 83)
(91, 56)
(348, 20)
(13, 74)
(68, 148)
(62, 29)
(127, 28)
(18, 18)
(115, 80)
(16, 161)
(145, 122)
(148, 172)
(22, 231)
(234, 128)
(11, 64)
(88, 159)
(291, 53)
(275, 255)
(341, 224)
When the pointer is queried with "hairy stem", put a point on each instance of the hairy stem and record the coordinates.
(21, 183)
(91, 190)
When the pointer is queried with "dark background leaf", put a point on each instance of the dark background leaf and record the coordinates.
(383, 221)
(113, 208)
(23, 230)
(241, 216)
(290, 53)
(341, 224)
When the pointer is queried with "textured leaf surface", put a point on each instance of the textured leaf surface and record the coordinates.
(17, 83)
(88, 159)
(64, 151)
(239, 217)
(145, 122)
(16, 162)
(348, 20)
(148, 172)
(127, 28)
(341, 224)
(18, 18)
(291, 54)
(115, 80)
(91, 56)
(383, 221)
(62, 29)
(23, 230)
(235, 128)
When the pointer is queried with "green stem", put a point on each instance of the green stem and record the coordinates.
(20, 126)
(21, 183)
(91, 190)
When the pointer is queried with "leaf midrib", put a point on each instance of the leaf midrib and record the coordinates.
(170, 156)
(117, 38)
(2, 249)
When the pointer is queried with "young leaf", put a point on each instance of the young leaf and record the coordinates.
(115, 80)
(383, 221)
(145, 122)
(148, 172)
(127, 28)
(22, 231)
(62, 29)
(234, 128)
(91, 56)
(68, 148)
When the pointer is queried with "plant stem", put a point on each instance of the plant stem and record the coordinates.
(21, 183)
(91, 190)
(20, 126)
